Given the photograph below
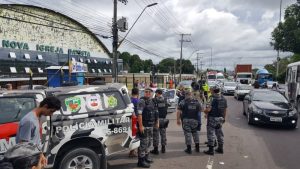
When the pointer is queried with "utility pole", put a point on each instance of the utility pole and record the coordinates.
(198, 64)
(115, 43)
(181, 42)
(277, 59)
(174, 69)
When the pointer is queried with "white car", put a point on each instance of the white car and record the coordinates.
(170, 94)
(228, 88)
(242, 90)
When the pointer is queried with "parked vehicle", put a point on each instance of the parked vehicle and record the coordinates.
(243, 73)
(186, 83)
(241, 91)
(93, 123)
(211, 76)
(262, 76)
(292, 82)
(228, 88)
(220, 77)
(170, 94)
(269, 106)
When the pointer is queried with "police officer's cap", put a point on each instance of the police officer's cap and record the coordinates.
(148, 89)
(159, 91)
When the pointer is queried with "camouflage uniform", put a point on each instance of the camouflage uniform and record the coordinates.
(190, 113)
(146, 108)
(215, 121)
(162, 106)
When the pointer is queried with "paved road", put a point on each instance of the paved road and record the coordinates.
(246, 147)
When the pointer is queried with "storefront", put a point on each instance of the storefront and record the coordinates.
(34, 38)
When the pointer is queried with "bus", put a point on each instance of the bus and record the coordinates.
(292, 81)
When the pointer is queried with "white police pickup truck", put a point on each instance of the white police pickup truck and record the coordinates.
(93, 123)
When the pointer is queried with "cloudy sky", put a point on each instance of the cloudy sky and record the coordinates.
(232, 31)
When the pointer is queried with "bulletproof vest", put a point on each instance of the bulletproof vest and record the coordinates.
(217, 107)
(191, 109)
(161, 104)
(148, 113)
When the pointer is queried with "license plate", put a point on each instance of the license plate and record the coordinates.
(276, 119)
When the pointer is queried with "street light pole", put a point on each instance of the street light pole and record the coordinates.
(277, 60)
(135, 22)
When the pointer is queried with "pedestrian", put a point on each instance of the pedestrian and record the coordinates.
(180, 93)
(188, 114)
(136, 84)
(161, 104)
(29, 125)
(8, 86)
(23, 156)
(134, 101)
(147, 119)
(216, 115)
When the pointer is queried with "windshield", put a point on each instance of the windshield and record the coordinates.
(211, 77)
(220, 77)
(13, 109)
(230, 84)
(244, 76)
(265, 76)
(269, 96)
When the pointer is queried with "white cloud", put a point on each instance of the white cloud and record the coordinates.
(237, 30)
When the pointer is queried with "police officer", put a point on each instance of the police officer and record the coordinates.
(188, 113)
(161, 104)
(147, 119)
(216, 114)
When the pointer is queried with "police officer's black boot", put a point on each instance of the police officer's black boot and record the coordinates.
(155, 151)
(220, 149)
(197, 147)
(142, 163)
(148, 159)
(210, 151)
(188, 149)
(163, 149)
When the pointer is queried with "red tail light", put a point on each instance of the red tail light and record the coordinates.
(133, 125)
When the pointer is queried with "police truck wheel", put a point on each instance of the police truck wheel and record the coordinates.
(83, 158)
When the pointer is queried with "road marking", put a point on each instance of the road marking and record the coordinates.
(210, 163)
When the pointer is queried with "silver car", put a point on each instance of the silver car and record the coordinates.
(241, 91)
(170, 94)
(228, 88)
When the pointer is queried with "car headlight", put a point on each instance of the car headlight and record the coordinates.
(257, 110)
(292, 112)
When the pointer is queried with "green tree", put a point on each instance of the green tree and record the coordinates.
(166, 65)
(126, 58)
(286, 36)
(147, 65)
(187, 67)
(136, 64)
